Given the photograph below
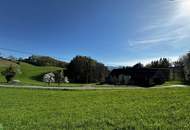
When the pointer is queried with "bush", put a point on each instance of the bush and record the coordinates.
(49, 78)
(9, 73)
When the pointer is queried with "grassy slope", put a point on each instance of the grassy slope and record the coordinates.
(4, 64)
(27, 72)
(138, 109)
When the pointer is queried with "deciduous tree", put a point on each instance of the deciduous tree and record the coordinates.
(86, 70)
(9, 73)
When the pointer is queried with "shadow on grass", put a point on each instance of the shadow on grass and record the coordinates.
(38, 77)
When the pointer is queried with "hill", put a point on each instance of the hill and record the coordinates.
(27, 73)
(44, 61)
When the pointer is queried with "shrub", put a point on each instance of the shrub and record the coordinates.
(9, 73)
(49, 78)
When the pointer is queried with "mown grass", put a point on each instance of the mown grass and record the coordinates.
(160, 109)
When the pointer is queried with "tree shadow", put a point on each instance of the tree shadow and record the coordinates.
(38, 77)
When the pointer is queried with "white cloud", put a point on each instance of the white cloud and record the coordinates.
(143, 61)
(183, 8)
(170, 30)
(157, 40)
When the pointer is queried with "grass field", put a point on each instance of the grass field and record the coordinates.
(164, 108)
(28, 74)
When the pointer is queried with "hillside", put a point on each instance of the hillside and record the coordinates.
(28, 73)
(44, 61)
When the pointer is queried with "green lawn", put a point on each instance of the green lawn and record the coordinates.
(132, 109)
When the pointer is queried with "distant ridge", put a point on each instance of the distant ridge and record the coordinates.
(110, 68)
(44, 61)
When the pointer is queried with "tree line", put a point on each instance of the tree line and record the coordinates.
(83, 69)
(182, 63)
(44, 61)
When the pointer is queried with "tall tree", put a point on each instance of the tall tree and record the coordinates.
(86, 70)
(186, 62)
(161, 63)
(138, 66)
(178, 63)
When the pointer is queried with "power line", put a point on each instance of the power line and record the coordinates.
(28, 53)
(17, 51)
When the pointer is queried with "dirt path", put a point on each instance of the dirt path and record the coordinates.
(86, 87)
(66, 88)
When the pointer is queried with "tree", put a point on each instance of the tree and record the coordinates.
(9, 73)
(161, 63)
(164, 63)
(12, 58)
(44, 61)
(138, 66)
(49, 78)
(178, 63)
(59, 76)
(83, 69)
(186, 62)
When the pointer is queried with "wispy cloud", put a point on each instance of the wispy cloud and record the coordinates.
(143, 61)
(170, 30)
(157, 40)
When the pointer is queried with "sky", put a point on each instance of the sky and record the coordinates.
(115, 32)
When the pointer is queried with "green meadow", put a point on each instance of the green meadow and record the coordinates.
(31, 75)
(131, 109)
(27, 73)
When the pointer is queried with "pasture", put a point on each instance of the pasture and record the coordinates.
(131, 109)
(32, 75)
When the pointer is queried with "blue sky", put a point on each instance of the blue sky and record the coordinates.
(115, 32)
